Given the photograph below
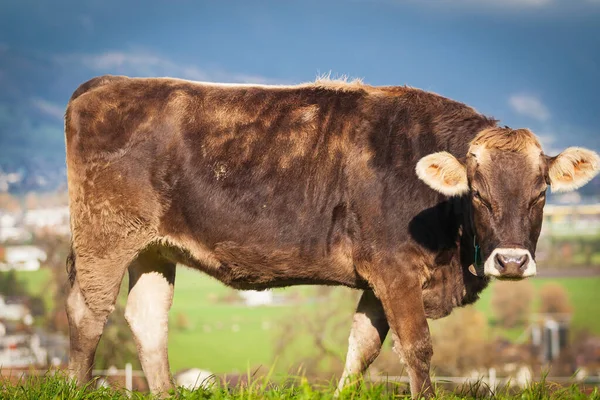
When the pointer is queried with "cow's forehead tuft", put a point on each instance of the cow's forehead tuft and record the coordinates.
(507, 139)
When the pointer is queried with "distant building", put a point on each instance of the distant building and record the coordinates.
(253, 298)
(21, 349)
(580, 219)
(9, 229)
(549, 335)
(13, 312)
(21, 258)
(18, 348)
(55, 218)
(21, 344)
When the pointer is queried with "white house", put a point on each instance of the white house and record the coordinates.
(14, 312)
(253, 298)
(22, 258)
(21, 349)
(55, 218)
(9, 229)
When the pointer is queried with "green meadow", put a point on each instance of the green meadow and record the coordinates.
(224, 350)
(221, 337)
(230, 337)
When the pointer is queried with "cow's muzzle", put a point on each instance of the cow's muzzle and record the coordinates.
(510, 263)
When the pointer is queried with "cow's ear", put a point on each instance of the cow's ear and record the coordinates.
(572, 169)
(443, 173)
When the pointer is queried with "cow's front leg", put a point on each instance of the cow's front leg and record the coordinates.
(369, 329)
(151, 281)
(401, 295)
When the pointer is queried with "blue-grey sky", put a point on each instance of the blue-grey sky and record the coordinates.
(529, 63)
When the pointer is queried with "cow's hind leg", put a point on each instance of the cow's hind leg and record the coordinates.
(95, 283)
(369, 329)
(151, 280)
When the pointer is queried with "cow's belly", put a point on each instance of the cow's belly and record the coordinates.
(256, 268)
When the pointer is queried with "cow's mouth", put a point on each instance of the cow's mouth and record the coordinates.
(510, 278)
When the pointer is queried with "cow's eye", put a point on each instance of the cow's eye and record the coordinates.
(539, 198)
(477, 196)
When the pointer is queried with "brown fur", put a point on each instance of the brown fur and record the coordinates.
(265, 187)
(506, 139)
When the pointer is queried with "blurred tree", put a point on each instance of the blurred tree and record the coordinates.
(230, 296)
(117, 346)
(316, 339)
(182, 322)
(37, 306)
(32, 201)
(588, 252)
(9, 203)
(57, 249)
(55, 199)
(10, 285)
(511, 302)
(461, 342)
(554, 299)
(566, 253)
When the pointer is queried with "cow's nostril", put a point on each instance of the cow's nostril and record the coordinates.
(511, 264)
(522, 261)
(500, 263)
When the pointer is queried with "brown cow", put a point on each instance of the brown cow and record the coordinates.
(270, 186)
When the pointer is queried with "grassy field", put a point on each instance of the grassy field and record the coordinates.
(57, 387)
(225, 338)
(228, 335)
(223, 349)
(222, 337)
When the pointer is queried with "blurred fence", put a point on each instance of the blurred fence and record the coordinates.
(492, 381)
(104, 375)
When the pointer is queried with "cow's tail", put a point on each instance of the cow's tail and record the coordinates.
(71, 269)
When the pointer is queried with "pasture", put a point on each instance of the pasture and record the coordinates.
(226, 338)
(226, 350)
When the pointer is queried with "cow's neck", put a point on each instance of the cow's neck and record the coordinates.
(467, 241)
(443, 233)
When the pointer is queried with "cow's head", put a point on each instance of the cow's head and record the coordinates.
(506, 174)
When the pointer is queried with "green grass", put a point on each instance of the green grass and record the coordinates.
(58, 387)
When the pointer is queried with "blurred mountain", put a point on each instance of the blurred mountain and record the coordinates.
(31, 147)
